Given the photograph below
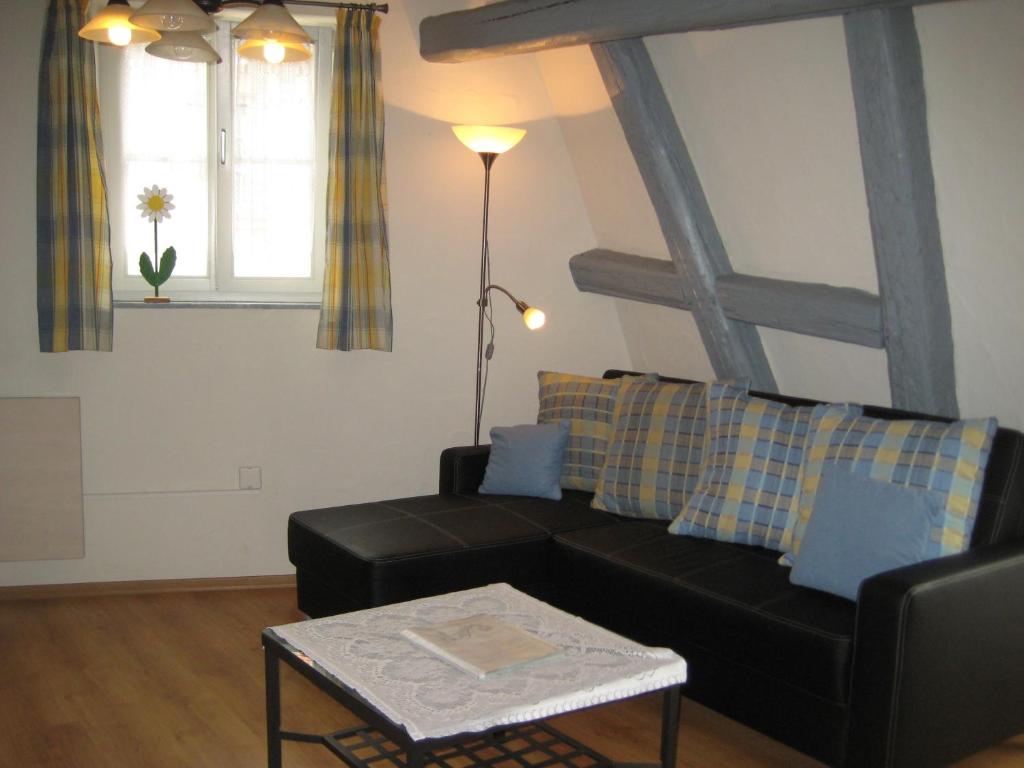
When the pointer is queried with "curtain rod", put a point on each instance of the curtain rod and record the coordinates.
(374, 7)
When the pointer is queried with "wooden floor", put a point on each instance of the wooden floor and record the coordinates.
(177, 680)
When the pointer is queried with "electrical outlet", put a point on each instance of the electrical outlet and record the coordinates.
(250, 478)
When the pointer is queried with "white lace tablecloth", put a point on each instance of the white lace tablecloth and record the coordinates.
(431, 698)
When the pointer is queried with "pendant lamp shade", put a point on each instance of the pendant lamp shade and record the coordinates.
(488, 138)
(184, 46)
(273, 52)
(112, 26)
(272, 22)
(173, 16)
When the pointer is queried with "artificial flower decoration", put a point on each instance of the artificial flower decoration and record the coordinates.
(156, 206)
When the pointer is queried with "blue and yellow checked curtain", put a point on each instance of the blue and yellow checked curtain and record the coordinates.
(356, 308)
(74, 297)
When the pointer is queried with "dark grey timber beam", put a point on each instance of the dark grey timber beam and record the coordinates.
(814, 309)
(888, 90)
(625, 276)
(521, 26)
(687, 223)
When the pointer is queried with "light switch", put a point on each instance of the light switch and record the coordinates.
(250, 478)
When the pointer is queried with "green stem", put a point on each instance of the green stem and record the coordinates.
(156, 258)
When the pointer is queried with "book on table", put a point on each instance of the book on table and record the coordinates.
(480, 644)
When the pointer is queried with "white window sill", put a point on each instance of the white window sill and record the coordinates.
(214, 304)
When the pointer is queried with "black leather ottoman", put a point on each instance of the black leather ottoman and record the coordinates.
(365, 555)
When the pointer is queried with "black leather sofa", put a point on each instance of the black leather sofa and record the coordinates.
(927, 666)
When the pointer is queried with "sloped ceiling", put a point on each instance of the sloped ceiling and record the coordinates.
(768, 116)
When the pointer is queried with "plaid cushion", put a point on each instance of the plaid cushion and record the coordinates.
(589, 405)
(749, 479)
(654, 458)
(949, 458)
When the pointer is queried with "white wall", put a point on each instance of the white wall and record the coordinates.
(190, 395)
(767, 113)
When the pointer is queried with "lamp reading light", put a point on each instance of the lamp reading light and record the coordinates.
(534, 318)
(112, 26)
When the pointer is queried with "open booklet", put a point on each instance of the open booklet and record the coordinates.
(480, 644)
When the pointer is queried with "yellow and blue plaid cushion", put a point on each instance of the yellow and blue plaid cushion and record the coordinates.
(588, 405)
(749, 482)
(653, 462)
(948, 458)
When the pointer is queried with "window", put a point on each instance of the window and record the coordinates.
(242, 146)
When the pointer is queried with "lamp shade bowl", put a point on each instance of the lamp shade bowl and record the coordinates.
(489, 138)
(184, 46)
(272, 21)
(173, 16)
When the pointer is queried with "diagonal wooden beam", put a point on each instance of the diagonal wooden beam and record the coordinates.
(814, 309)
(691, 235)
(521, 26)
(888, 91)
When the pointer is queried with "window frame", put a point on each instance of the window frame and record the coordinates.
(219, 285)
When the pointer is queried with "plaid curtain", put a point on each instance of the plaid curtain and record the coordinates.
(356, 308)
(74, 297)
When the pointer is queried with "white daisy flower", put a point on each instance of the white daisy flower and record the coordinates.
(155, 204)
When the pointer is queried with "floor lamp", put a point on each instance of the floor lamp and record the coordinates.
(489, 142)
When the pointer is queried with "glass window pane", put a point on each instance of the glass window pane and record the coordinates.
(274, 155)
(164, 127)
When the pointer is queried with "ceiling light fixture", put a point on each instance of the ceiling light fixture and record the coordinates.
(269, 34)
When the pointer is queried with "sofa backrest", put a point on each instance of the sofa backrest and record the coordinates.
(1001, 510)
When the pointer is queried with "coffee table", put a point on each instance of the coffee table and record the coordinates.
(420, 710)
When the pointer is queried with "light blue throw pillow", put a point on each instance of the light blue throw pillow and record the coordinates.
(861, 527)
(526, 460)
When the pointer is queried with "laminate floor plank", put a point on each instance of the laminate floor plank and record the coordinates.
(165, 680)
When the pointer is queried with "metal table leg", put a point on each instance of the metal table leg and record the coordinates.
(670, 726)
(273, 686)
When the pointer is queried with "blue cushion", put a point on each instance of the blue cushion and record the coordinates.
(527, 460)
(861, 527)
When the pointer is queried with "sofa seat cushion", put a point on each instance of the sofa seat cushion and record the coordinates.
(730, 600)
(388, 551)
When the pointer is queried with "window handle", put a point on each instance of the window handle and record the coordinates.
(223, 146)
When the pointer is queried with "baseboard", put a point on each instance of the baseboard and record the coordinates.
(94, 588)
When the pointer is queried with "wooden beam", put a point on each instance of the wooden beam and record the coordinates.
(814, 309)
(889, 97)
(521, 26)
(841, 314)
(625, 276)
(691, 235)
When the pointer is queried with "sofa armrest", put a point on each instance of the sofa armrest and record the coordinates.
(938, 661)
(462, 468)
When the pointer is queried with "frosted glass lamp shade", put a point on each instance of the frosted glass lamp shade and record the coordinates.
(173, 16)
(488, 138)
(112, 26)
(184, 46)
(272, 21)
(273, 51)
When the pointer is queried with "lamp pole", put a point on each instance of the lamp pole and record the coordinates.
(488, 160)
